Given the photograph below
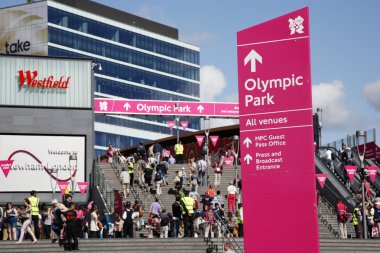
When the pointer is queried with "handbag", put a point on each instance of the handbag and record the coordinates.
(100, 225)
(375, 231)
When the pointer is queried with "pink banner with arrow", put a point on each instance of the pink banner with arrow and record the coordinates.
(351, 170)
(6, 166)
(372, 171)
(170, 124)
(83, 187)
(184, 124)
(200, 139)
(321, 179)
(228, 161)
(62, 186)
(214, 139)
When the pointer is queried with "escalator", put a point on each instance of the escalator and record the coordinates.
(334, 189)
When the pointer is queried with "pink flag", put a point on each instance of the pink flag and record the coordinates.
(62, 186)
(6, 166)
(200, 139)
(321, 179)
(171, 124)
(214, 139)
(372, 170)
(82, 187)
(228, 161)
(351, 170)
(184, 124)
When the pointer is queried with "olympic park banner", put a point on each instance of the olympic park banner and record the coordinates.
(39, 162)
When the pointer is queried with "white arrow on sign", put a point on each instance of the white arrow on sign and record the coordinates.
(247, 141)
(127, 106)
(252, 57)
(248, 158)
(200, 108)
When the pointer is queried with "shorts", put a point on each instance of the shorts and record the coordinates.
(11, 224)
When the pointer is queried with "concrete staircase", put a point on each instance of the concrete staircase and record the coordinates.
(328, 224)
(186, 245)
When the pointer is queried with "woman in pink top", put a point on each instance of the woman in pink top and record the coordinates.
(80, 216)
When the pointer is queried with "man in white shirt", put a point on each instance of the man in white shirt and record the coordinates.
(125, 180)
(329, 159)
(231, 190)
(202, 166)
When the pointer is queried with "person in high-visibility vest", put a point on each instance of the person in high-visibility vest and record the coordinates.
(131, 172)
(178, 150)
(35, 202)
(357, 221)
(188, 205)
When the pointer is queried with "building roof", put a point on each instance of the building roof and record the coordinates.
(123, 17)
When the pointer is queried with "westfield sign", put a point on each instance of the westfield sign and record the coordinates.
(30, 78)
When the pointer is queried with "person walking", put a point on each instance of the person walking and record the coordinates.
(210, 221)
(125, 180)
(188, 205)
(27, 215)
(131, 172)
(35, 203)
(10, 215)
(157, 151)
(47, 221)
(71, 223)
(177, 215)
(178, 150)
(158, 180)
(342, 218)
(231, 190)
(95, 224)
(202, 165)
(128, 217)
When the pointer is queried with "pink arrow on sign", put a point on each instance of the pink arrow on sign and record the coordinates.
(82, 187)
(228, 161)
(351, 170)
(200, 139)
(214, 139)
(6, 166)
(62, 186)
(171, 124)
(321, 179)
(372, 170)
(184, 124)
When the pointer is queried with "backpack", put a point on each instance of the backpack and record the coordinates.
(129, 219)
(157, 177)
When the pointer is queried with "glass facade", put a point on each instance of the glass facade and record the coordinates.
(138, 62)
(93, 27)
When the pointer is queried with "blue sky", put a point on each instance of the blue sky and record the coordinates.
(345, 50)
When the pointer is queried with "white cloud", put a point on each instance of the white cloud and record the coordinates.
(213, 83)
(197, 38)
(331, 98)
(372, 94)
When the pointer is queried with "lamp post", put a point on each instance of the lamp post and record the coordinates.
(207, 132)
(176, 105)
(73, 161)
(235, 139)
(362, 135)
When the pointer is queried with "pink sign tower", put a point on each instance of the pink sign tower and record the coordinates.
(276, 135)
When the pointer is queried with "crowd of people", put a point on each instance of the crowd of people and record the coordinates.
(218, 214)
(190, 215)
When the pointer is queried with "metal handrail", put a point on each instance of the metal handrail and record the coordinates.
(230, 238)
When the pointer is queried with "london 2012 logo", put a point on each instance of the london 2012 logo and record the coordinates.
(295, 25)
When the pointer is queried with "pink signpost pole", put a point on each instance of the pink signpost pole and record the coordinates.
(276, 136)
